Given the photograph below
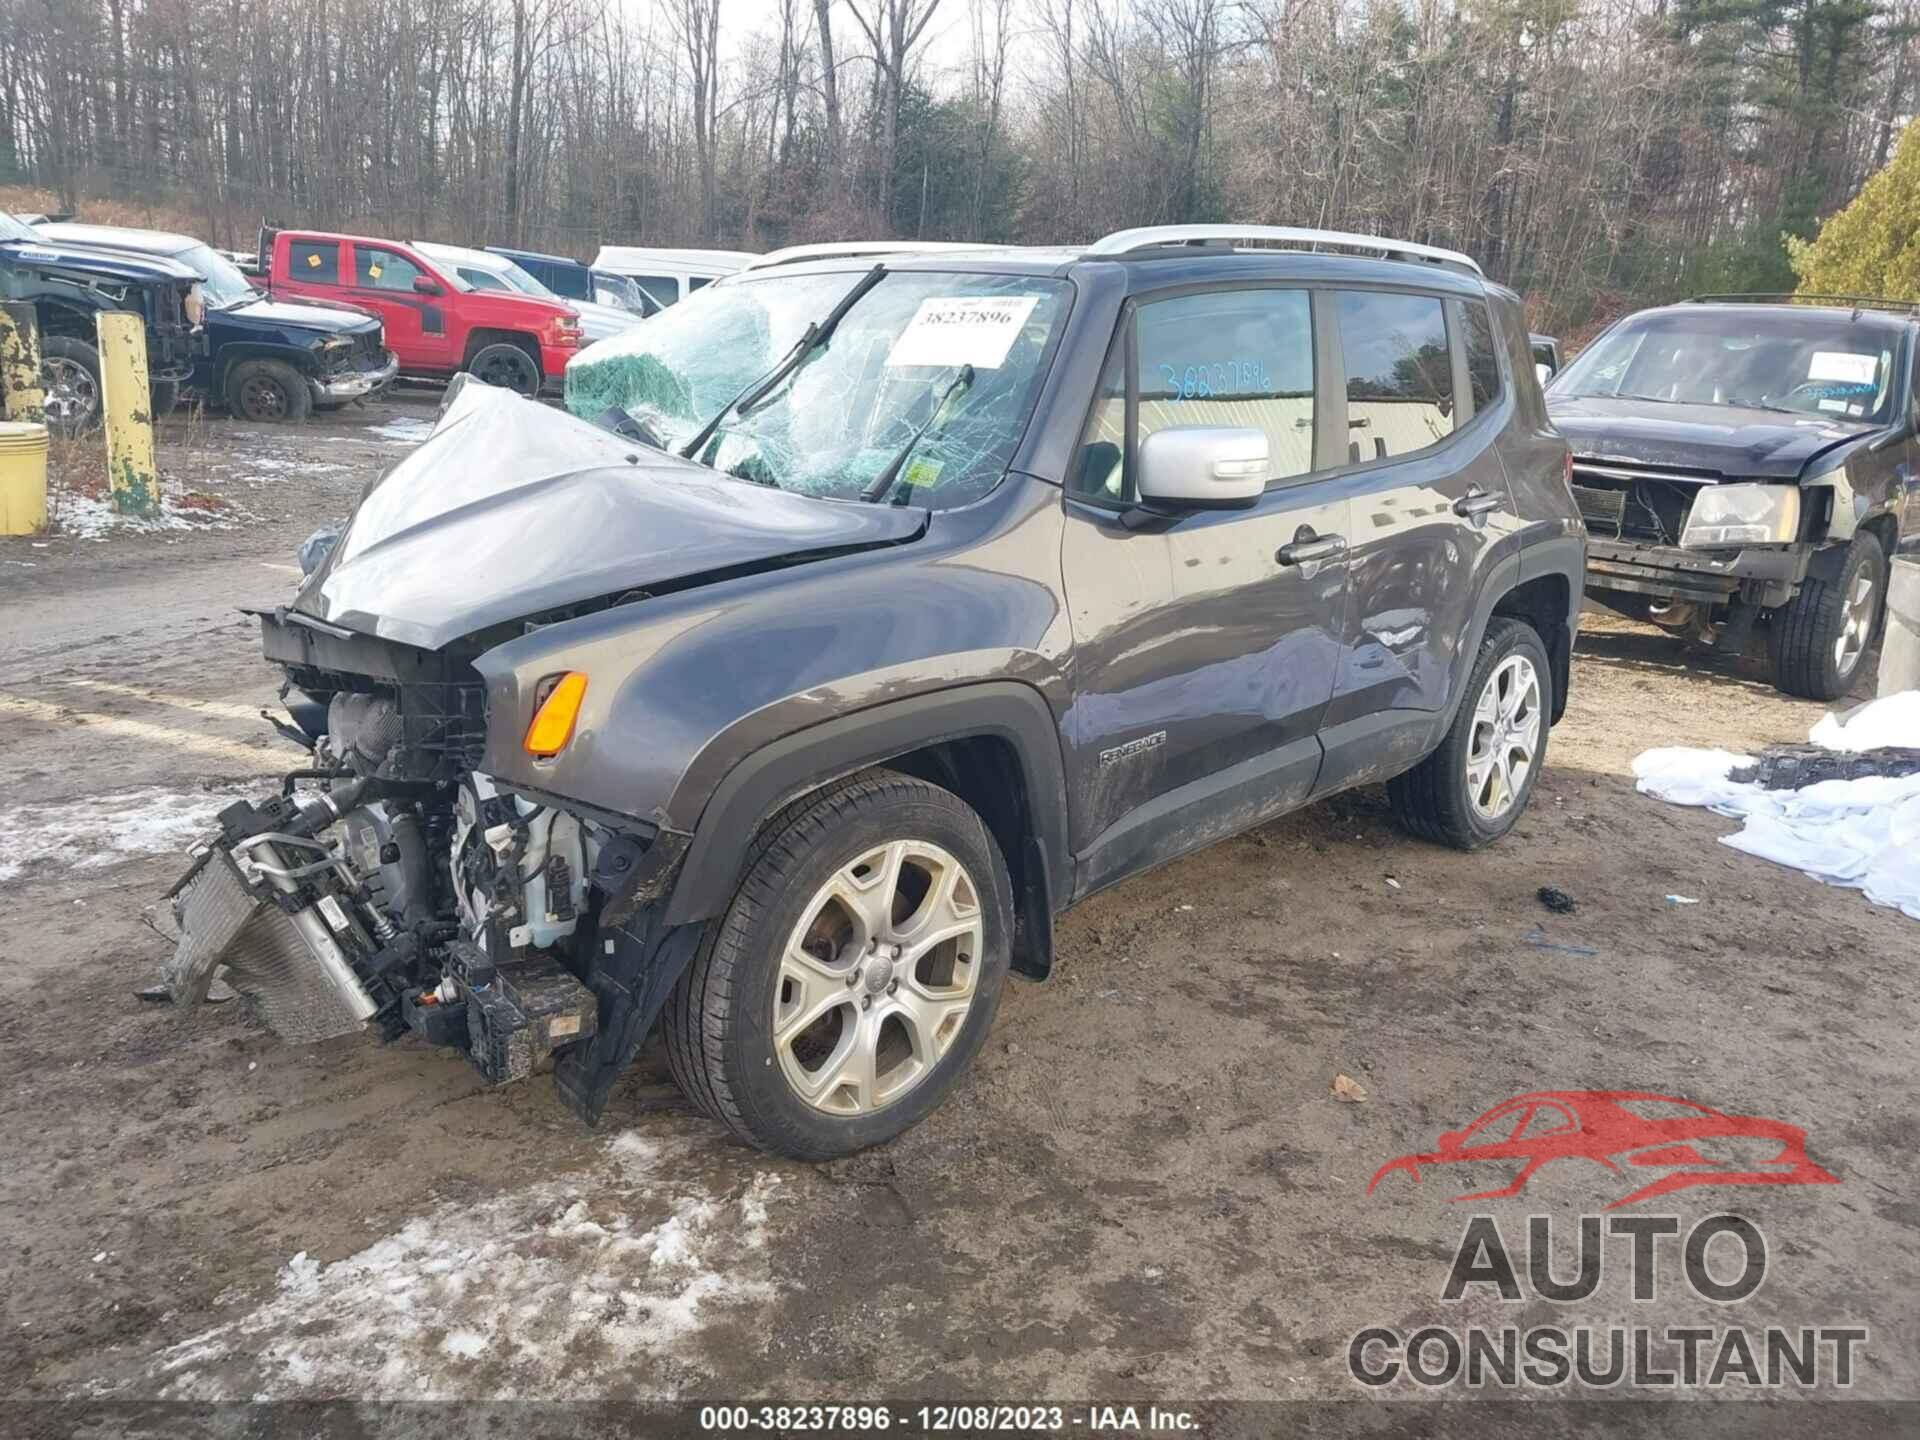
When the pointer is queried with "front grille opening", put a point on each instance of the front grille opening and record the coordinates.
(1640, 508)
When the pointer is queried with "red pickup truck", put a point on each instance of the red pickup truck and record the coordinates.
(436, 322)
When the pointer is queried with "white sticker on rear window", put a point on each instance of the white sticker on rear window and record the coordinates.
(1842, 365)
(976, 331)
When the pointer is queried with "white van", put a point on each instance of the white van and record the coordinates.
(669, 276)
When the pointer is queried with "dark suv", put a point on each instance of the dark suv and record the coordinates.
(69, 286)
(890, 609)
(1737, 458)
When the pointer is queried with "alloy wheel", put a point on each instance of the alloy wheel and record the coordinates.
(1856, 623)
(1505, 739)
(877, 978)
(72, 400)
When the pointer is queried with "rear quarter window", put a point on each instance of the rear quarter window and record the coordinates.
(1483, 357)
(315, 261)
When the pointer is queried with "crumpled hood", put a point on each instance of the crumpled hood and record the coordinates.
(1735, 442)
(265, 313)
(511, 508)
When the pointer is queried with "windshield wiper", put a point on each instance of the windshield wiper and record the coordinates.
(883, 482)
(813, 338)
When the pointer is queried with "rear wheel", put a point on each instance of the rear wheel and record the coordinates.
(1818, 641)
(507, 366)
(70, 377)
(855, 974)
(1471, 790)
(268, 392)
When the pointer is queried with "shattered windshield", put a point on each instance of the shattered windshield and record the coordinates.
(923, 389)
(1808, 364)
(225, 285)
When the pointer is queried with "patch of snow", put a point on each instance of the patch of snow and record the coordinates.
(107, 829)
(86, 517)
(1863, 833)
(584, 1284)
(404, 430)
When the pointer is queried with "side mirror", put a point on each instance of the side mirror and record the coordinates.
(1544, 371)
(424, 286)
(1204, 467)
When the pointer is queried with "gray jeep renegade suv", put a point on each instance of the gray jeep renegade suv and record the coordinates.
(888, 610)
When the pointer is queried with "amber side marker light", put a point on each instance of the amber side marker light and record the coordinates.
(552, 725)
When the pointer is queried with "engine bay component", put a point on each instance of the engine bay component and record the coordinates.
(519, 1014)
(287, 959)
(448, 912)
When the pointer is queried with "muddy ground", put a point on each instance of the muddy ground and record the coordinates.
(1146, 1189)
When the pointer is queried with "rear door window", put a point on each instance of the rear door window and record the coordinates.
(1399, 373)
(315, 261)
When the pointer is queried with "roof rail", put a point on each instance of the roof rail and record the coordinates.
(1155, 237)
(1838, 302)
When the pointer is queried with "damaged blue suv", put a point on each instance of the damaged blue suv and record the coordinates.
(865, 617)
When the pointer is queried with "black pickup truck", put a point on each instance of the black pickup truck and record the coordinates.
(68, 286)
(266, 359)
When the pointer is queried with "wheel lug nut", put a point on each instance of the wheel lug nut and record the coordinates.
(866, 1002)
(892, 985)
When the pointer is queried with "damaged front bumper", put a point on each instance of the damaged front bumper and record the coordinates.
(534, 937)
(1762, 575)
(356, 384)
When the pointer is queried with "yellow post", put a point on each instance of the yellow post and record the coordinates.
(20, 389)
(127, 407)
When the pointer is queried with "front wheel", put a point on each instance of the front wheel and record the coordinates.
(1819, 639)
(507, 366)
(70, 378)
(268, 392)
(855, 974)
(1471, 790)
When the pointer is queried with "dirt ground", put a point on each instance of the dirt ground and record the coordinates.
(1146, 1189)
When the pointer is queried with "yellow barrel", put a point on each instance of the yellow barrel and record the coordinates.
(23, 477)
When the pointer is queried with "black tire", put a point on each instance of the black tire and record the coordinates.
(719, 1020)
(507, 366)
(1433, 800)
(70, 376)
(268, 392)
(1804, 641)
(164, 396)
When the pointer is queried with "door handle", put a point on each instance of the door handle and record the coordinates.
(1311, 547)
(1475, 503)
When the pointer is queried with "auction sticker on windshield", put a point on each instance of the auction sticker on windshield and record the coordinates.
(970, 330)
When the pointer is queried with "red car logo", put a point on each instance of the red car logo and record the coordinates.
(1625, 1131)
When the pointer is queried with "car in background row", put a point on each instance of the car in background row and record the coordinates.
(266, 359)
(69, 286)
(572, 281)
(1738, 457)
(485, 270)
(438, 324)
(668, 276)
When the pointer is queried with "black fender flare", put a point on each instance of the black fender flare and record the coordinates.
(299, 358)
(1565, 556)
(785, 769)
